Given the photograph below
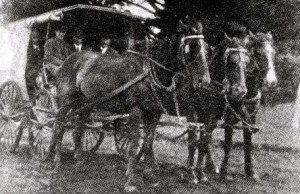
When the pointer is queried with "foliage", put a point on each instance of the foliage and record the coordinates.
(278, 16)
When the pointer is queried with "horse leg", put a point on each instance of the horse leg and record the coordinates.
(209, 163)
(57, 138)
(134, 120)
(227, 147)
(204, 148)
(191, 151)
(83, 118)
(150, 120)
(57, 159)
(247, 156)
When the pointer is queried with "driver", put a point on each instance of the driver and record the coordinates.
(56, 50)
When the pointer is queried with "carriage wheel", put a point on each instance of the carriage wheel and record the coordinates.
(91, 140)
(42, 129)
(122, 138)
(121, 143)
(11, 114)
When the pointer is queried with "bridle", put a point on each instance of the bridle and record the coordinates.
(184, 49)
(228, 51)
(251, 73)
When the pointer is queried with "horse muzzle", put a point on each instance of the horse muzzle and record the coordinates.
(237, 92)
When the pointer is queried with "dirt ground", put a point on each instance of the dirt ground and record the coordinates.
(279, 171)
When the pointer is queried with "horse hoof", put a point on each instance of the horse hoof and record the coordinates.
(12, 151)
(253, 177)
(195, 181)
(225, 177)
(130, 189)
(211, 169)
(204, 179)
(154, 185)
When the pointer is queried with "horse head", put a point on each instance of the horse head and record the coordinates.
(235, 60)
(193, 51)
(262, 51)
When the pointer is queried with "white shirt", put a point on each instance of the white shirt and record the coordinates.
(103, 49)
(78, 47)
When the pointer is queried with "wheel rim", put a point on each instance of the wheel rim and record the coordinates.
(11, 112)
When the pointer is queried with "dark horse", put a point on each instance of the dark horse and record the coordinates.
(260, 71)
(85, 77)
(228, 73)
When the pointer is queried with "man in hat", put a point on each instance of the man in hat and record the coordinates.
(56, 50)
(78, 42)
(34, 62)
(105, 47)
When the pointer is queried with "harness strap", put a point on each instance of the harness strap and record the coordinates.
(191, 37)
(254, 99)
(151, 60)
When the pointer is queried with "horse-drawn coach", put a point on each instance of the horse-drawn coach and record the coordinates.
(93, 93)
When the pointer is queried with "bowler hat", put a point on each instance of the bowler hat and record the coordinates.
(60, 27)
(78, 34)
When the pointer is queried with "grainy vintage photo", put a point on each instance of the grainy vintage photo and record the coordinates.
(149, 96)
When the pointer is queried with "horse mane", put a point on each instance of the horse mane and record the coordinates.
(165, 52)
(261, 38)
(216, 63)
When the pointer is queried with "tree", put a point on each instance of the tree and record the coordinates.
(278, 16)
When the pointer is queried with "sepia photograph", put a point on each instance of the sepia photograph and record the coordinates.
(149, 96)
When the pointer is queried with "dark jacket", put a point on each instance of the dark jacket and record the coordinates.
(33, 66)
(56, 51)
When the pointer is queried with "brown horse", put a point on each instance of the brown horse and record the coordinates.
(260, 71)
(86, 76)
(228, 73)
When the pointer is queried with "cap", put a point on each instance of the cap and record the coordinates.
(60, 27)
(35, 34)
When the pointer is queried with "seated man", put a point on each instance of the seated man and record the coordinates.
(105, 47)
(78, 42)
(34, 62)
(56, 50)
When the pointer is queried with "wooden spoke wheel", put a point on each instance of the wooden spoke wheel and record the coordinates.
(42, 132)
(121, 135)
(92, 139)
(11, 114)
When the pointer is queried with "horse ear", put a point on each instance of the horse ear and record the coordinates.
(199, 27)
(227, 38)
(269, 35)
(246, 40)
(182, 25)
(251, 34)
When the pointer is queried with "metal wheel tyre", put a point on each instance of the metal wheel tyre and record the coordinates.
(41, 133)
(11, 114)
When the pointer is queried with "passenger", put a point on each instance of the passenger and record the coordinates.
(56, 50)
(105, 47)
(78, 42)
(34, 62)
